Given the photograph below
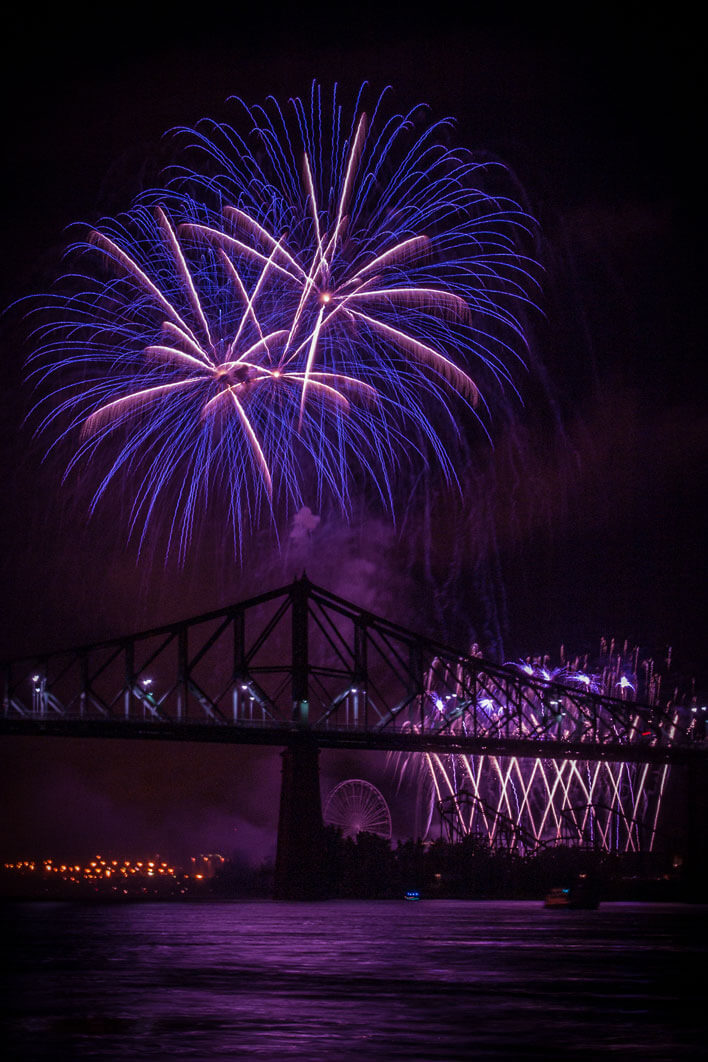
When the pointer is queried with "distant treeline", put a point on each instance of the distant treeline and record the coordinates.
(370, 867)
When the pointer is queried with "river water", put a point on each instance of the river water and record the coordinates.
(353, 980)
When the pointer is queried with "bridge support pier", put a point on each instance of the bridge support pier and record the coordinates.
(696, 858)
(299, 869)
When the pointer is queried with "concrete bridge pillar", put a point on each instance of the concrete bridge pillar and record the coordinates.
(299, 870)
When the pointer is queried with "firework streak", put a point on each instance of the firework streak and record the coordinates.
(527, 803)
(308, 304)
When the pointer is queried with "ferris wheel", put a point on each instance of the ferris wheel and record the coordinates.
(356, 806)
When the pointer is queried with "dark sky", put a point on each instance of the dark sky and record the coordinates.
(598, 528)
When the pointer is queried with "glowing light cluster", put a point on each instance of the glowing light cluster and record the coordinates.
(309, 301)
(117, 876)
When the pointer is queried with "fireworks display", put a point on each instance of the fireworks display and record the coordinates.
(321, 296)
(527, 803)
(316, 298)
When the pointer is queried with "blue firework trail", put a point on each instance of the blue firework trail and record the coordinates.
(305, 305)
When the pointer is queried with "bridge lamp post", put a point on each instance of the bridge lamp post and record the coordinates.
(37, 694)
(242, 699)
(148, 696)
(358, 694)
(300, 665)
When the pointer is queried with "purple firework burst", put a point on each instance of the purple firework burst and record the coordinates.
(308, 304)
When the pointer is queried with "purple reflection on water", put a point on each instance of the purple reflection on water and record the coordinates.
(344, 980)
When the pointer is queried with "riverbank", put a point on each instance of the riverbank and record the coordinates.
(371, 868)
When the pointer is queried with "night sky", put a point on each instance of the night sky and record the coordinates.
(586, 519)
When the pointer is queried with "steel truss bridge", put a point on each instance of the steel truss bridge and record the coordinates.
(303, 669)
(299, 664)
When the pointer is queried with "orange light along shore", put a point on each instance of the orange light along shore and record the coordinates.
(107, 878)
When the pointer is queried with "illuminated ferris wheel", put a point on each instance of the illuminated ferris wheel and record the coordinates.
(356, 806)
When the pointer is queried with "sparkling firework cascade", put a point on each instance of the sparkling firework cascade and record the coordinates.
(309, 303)
(525, 803)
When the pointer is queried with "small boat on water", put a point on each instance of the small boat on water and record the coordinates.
(557, 898)
(581, 896)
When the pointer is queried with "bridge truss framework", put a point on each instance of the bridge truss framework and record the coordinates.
(300, 666)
